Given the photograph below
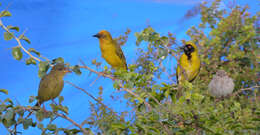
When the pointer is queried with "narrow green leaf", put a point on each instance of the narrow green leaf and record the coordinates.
(76, 69)
(26, 39)
(5, 13)
(61, 98)
(34, 51)
(17, 53)
(64, 109)
(9, 101)
(13, 28)
(4, 91)
(30, 61)
(51, 127)
(8, 36)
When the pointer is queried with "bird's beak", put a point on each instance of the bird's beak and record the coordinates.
(97, 35)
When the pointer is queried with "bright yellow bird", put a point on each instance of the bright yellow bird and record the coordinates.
(111, 51)
(189, 63)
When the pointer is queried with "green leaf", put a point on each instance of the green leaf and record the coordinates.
(43, 68)
(61, 98)
(13, 28)
(17, 53)
(40, 126)
(9, 101)
(76, 69)
(31, 99)
(4, 91)
(5, 13)
(2, 108)
(9, 116)
(51, 127)
(40, 115)
(8, 36)
(58, 60)
(64, 109)
(27, 123)
(34, 51)
(30, 61)
(23, 37)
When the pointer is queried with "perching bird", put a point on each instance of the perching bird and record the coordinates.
(111, 51)
(221, 85)
(189, 63)
(51, 84)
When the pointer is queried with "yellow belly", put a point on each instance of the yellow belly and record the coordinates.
(111, 57)
(189, 69)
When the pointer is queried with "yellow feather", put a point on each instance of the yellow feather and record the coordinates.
(188, 69)
(111, 52)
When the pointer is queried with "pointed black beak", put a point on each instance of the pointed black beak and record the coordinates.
(97, 35)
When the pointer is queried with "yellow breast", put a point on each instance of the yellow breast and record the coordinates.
(189, 68)
(109, 54)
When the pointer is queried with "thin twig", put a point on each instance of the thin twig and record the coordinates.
(245, 89)
(73, 122)
(18, 41)
(91, 97)
(30, 109)
(113, 78)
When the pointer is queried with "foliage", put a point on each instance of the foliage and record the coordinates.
(228, 39)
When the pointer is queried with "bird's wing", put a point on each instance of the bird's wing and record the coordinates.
(120, 54)
(44, 84)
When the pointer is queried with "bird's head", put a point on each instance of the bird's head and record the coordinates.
(221, 73)
(189, 48)
(103, 35)
(60, 69)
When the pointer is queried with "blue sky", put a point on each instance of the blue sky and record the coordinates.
(65, 28)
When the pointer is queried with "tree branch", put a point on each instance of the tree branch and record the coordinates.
(73, 122)
(18, 41)
(113, 78)
(245, 89)
(92, 97)
(30, 109)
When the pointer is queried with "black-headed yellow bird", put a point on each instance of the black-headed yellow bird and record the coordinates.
(51, 84)
(189, 63)
(111, 51)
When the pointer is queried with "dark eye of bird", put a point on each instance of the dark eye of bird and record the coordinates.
(189, 48)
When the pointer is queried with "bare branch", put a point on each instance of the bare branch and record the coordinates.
(73, 122)
(244, 89)
(92, 97)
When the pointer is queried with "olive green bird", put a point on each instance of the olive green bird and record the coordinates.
(189, 63)
(111, 51)
(51, 84)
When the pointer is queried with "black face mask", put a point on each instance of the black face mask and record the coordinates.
(188, 49)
